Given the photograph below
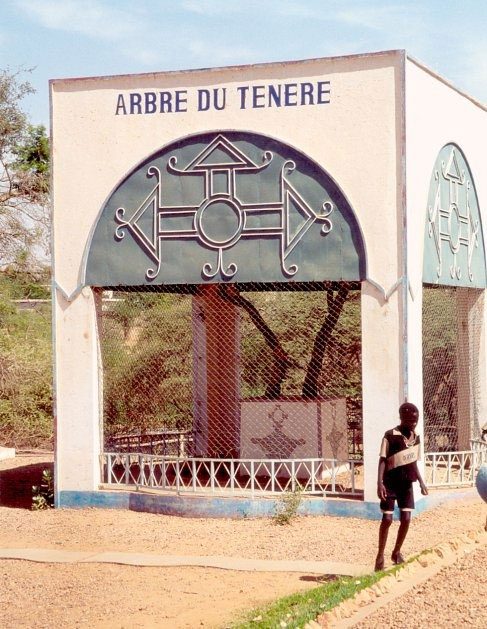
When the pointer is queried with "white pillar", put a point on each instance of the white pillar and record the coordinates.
(470, 365)
(414, 361)
(382, 385)
(200, 406)
(482, 358)
(77, 393)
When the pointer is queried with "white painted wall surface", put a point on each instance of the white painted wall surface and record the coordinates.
(436, 114)
(356, 138)
(78, 430)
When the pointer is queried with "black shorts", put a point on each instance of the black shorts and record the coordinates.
(404, 497)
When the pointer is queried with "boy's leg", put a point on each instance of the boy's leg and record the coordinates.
(387, 508)
(383, 532)
(401, 536)
(405, 501)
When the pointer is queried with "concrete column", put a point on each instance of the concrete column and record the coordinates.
(464, 389)
(221, 320)
(77, 393)
(381, 376)
(470, 364)
(414, 362)
(200, 406)
(482, 362)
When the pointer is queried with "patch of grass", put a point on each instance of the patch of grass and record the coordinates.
(298, 609)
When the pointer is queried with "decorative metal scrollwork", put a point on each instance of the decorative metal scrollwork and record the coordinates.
(452, 222)
(221, 218)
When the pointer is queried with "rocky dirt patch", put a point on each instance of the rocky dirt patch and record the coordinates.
(46, 595)
(455, 597)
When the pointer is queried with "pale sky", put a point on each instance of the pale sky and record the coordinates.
(70, 38)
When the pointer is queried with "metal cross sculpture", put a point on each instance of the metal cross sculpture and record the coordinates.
(335, 436)
(221, 209)
(277, 442)
(453, 224)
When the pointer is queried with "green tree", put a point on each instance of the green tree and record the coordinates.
(25, 369)
(24, 177)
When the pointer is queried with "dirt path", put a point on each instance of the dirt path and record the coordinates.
(46, 595)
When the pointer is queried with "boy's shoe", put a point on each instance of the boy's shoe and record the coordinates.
(379, 563)
(397, 558)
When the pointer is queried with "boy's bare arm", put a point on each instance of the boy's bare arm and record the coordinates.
(424, 489)
(381, 490)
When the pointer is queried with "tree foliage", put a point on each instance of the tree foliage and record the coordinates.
(148, 361)
(24, 179)
(280, 359)
(25, 366)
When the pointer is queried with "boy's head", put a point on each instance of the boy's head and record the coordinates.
(409, 415)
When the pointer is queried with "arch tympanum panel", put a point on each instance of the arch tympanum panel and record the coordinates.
(225, 207)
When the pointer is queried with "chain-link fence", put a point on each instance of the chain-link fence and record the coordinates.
(147, 356)
(261, 372)
(452, 320)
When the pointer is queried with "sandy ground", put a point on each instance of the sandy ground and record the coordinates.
(46, 595)
(455, 597)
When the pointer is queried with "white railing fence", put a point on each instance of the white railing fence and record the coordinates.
(455, 469)
(329, 477)
(319, 477)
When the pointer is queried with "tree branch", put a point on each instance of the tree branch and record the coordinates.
(281, 361)
(335, 306)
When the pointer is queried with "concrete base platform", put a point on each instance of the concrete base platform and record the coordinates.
(198, 506)
(6, 453)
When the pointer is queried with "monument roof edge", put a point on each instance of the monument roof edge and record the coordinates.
(442, 79)
(382, 53)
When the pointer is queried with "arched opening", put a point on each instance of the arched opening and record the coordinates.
(230, 338)
(454, 280)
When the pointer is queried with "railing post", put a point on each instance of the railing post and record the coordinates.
(127, 468)
(193, 475)
(212, 475)
(232, 475)
(163, 472)
(152, 480)
(109, 468)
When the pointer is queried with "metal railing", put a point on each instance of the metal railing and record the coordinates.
(164, 442)
(160, 463)
(455, 469)
(328, 477)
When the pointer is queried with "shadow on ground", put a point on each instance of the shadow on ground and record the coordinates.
(16, 484)
(323, 578)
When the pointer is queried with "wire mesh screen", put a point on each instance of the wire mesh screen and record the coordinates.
(146, 347)
(233, 371)
(452, 320)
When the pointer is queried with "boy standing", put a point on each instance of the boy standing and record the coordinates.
(398, 470)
